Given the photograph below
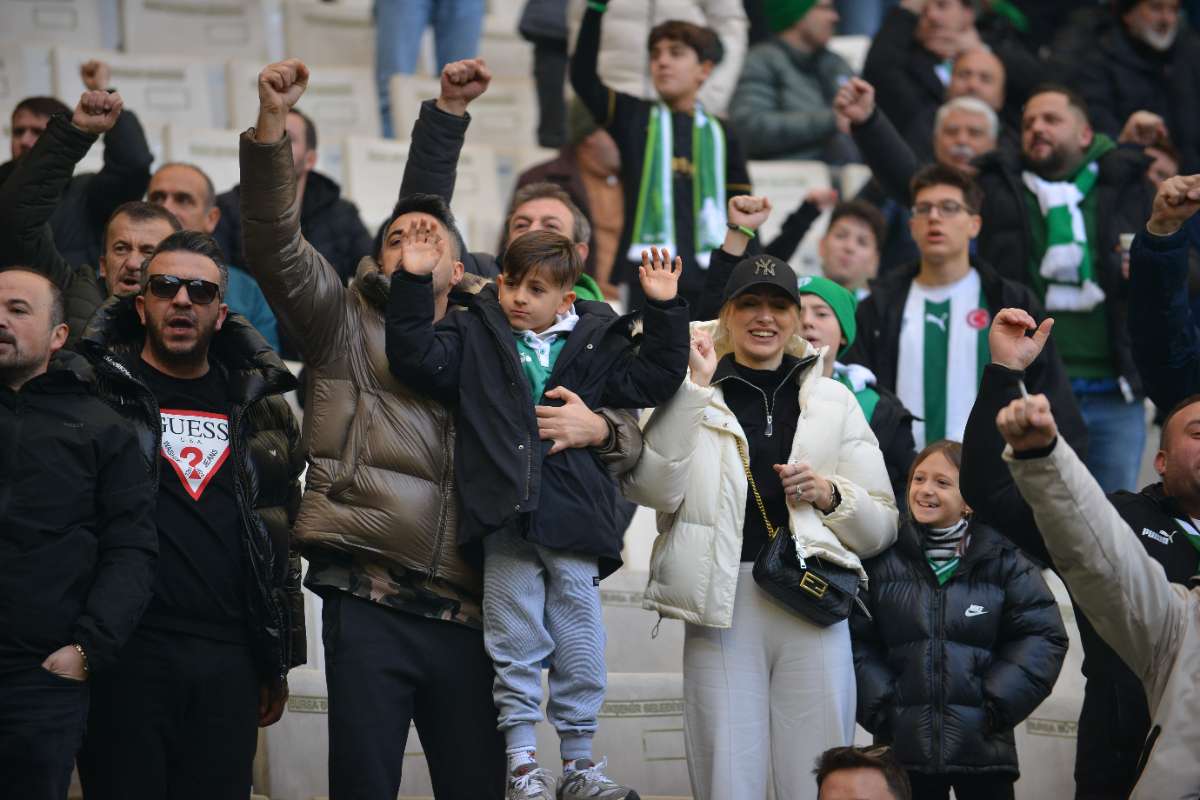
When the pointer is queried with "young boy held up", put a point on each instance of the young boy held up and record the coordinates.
(544, 515)
(678, 163)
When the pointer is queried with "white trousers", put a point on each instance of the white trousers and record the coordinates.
(764, 698)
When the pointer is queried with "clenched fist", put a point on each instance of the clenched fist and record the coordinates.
(95, 74)
(462, 82)
(97, 111)
(280, 86)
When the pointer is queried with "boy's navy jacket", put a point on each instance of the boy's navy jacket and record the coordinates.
(469, 361)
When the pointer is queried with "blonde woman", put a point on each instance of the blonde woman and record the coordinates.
(765, 690)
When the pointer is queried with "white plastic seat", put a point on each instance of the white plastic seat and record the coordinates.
(206, 28)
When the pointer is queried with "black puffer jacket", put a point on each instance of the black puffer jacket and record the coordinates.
(78, 218)
(1121, 75)
(266, 450)
(469, 361)
(329, 222)
(946, 672)
(1124, 202)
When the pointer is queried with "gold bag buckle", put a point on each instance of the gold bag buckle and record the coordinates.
(813, 584)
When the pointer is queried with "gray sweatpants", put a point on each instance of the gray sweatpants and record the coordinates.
(539, 602)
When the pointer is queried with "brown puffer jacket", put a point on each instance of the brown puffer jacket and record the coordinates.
(380, 482)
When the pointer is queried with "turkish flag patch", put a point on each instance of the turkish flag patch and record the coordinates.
(196, 443)
(979, 318)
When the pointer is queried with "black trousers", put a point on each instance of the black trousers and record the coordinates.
(42, 717)
(388, 669)
(966, 787)
(175, 719)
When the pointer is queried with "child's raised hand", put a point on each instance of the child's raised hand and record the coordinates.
(421, 247)
(660, 278)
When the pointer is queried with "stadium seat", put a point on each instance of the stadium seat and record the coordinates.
(339, 100)
(334, 34)
(70, 23)
(852, 179)
(213, 150)
(852, 48)
(786, 183)
(162, 90)
(505, 115)
(372, 172)
(205, 29)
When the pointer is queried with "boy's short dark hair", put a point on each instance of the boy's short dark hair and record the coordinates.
(703, 40)
(864, 211)
(430, 204)
(943, 175)
(42, 106)
(544, 251)
(879, 758)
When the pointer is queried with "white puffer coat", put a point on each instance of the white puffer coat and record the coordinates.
(625, 62)
(691, 473)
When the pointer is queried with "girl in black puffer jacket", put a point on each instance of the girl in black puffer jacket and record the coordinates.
(966, 641)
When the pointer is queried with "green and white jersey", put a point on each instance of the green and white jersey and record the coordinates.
(943, 350)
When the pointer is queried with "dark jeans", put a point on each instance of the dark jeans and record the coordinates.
(966, 787)
(176, 718)
(41, 725)
(387, 669)
(550, 75)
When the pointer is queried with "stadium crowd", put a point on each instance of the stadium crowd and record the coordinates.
(859, 475)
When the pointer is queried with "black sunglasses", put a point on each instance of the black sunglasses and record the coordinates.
(199, 291)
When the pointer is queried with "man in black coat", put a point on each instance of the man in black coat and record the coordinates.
(77, 539)
(912, 312)
(89, 199)
(329, 222)
(1114, 720)
(1148, 61)
(1096, 191)
(178, 714)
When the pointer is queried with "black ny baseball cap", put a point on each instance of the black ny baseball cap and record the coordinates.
(762, 270)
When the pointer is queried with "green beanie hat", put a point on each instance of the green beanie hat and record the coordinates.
(840, 299)
(783, 14)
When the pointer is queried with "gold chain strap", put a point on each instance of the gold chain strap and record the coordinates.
(762, 508)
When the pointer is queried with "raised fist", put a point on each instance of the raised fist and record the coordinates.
(462, 82)
(1178, 199)
(823, 198)
(750, 212)
(95, 74)
(1027, 423)
(1143, 128)
(97, 111)
(281, 84)
(855, 101)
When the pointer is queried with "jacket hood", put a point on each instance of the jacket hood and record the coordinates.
(238, 346)
(320, 192)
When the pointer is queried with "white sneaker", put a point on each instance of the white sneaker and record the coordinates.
(588, 782)
(530, 782)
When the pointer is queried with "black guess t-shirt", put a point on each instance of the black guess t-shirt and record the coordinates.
(200, 585)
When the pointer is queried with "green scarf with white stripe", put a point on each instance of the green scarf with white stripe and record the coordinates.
(654, 218)
(1067, 264)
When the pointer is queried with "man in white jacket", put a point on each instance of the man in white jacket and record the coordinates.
(1153, 624)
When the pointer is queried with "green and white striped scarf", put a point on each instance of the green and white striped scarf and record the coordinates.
(654, 218)
(944, 548)
(1067, 265)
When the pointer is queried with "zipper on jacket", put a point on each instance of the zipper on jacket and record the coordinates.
(514, 369)
(439, 542)
(768, 405)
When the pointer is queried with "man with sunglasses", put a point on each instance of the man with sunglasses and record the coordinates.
(923, 330)
(178, 714)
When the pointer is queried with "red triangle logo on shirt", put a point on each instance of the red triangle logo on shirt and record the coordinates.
(196, 444)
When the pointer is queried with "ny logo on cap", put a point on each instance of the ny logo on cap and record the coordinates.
(764, 267)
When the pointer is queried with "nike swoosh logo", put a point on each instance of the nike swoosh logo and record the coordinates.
(975, 612)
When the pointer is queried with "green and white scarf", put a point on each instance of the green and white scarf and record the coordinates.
(654, 218)
(1067, 265)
